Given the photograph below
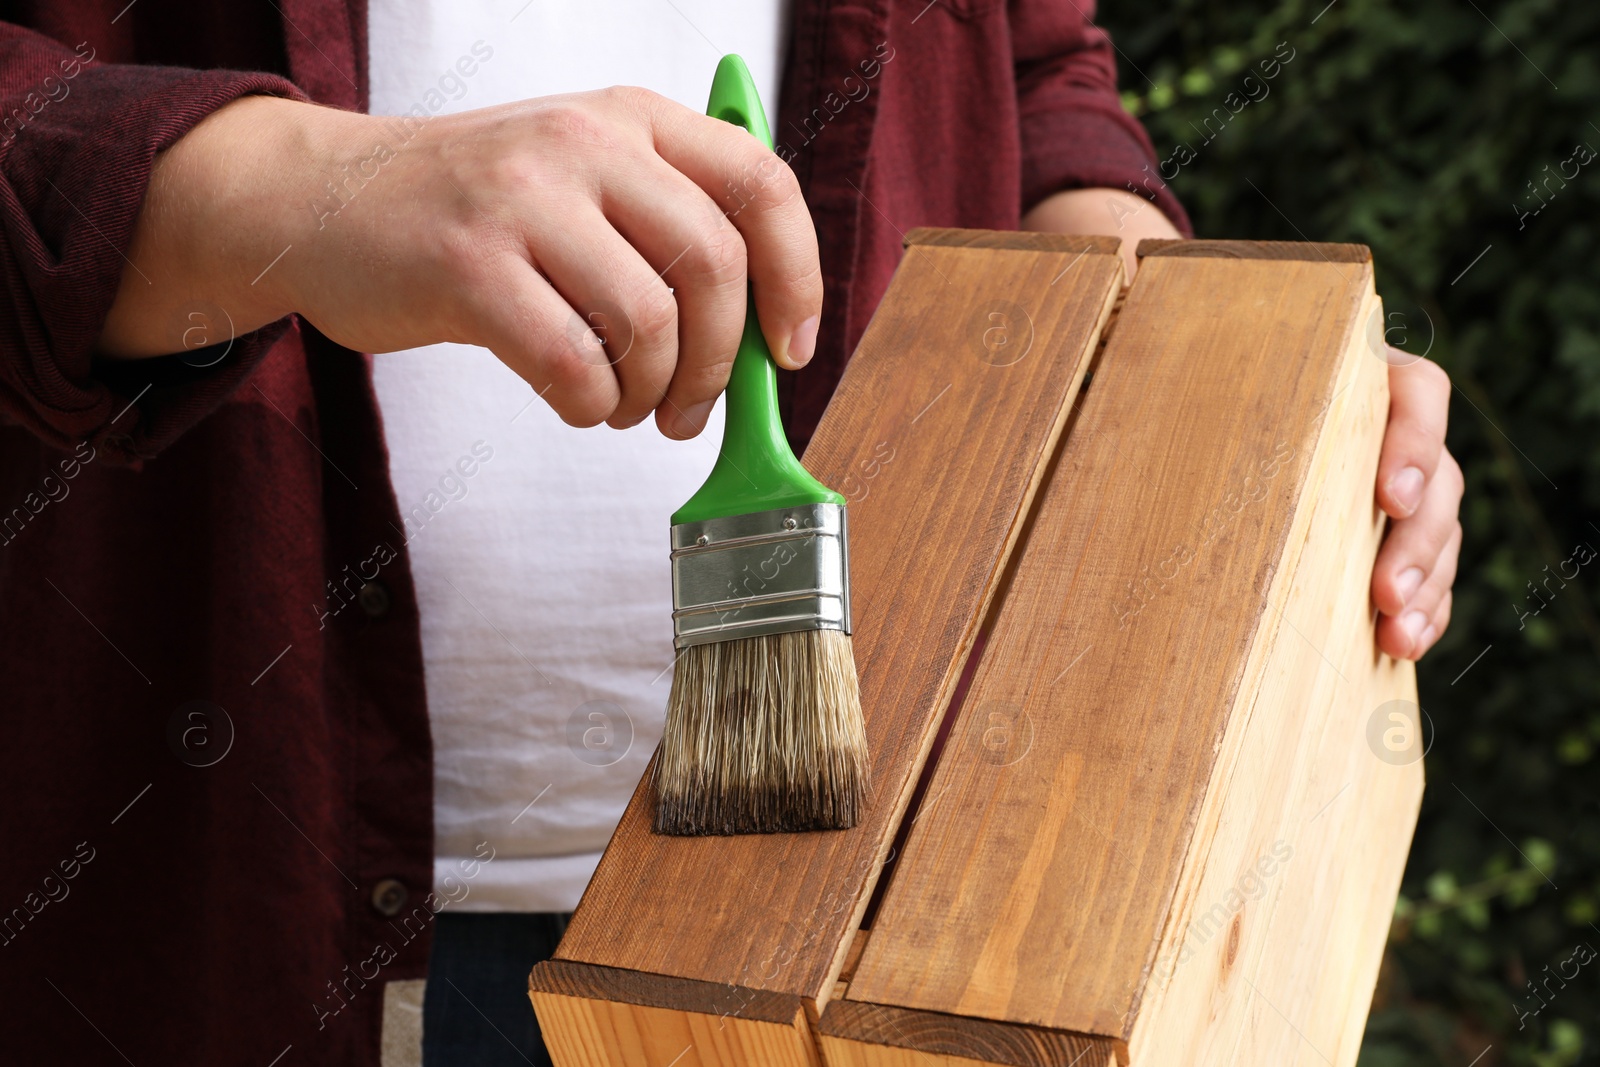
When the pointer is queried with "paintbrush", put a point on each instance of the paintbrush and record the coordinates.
(764, 731)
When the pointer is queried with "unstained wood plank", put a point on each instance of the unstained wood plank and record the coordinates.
(1272, 945)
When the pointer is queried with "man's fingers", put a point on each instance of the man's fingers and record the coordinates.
(684, 235)
(518, 316)
(760, 195)
(1419, 486)
(1419, 408)
(1436, 629)
(1412, 630)
(657, 232)
(1402, 633)
(1411, 634)
(1412, 549)
(626, 317)
(1439, 580)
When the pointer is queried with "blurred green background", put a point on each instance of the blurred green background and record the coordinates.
(1459, 139)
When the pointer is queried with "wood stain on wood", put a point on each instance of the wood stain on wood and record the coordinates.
(1174, 566)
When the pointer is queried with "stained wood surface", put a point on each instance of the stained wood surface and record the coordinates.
(585, 981)
(1041, 872)
(854, 1034)
(1323, 252)
(584, 1032)
(938, 436)
(842, 1052)
(1017, 240)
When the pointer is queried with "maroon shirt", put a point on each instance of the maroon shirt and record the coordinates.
(216, 780)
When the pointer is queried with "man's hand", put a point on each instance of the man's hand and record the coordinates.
(1419, 486)
(1419, 483)
(518, 228)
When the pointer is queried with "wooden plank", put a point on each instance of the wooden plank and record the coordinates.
(1020, 240)
(1366, 881)
(1324, 252)
(588, 982)
(842, 1052)
(1136, 621)
(1282, 911)
(584, 1032)
(938, 436)
(1320, 963)
(855, 1034)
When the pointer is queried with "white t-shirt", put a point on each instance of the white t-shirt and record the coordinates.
(539, 550)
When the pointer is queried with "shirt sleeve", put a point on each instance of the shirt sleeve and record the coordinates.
(77, 141)
(1075, 132)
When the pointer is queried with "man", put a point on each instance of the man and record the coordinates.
(233, 650)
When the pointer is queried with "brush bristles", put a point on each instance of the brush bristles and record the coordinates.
(763, 735)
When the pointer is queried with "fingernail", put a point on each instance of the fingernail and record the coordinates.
(692, 418)
(1407, 583)
(803, 342)
(1405, 489)
(1426, 640)
(1413, 623)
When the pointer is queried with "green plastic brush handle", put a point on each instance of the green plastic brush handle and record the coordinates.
(756, 469)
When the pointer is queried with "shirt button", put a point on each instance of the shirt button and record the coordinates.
(389, 897)
(374, 599)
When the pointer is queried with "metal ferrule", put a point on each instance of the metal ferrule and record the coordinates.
(770, 572)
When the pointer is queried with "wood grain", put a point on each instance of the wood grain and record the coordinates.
(1283, 908)
(583, 1032)
(1323, 252)
(1359, 872)
(938, 436)
(843, 1052)
(1038, 880)
(854, 1033)
(1016, 240)
(1177, 688)
(589, 982)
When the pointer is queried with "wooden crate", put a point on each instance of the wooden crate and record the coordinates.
(1152, 828)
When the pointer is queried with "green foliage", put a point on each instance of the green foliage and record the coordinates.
(1421, 129)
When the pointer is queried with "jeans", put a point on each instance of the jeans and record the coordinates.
(475, 1010)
